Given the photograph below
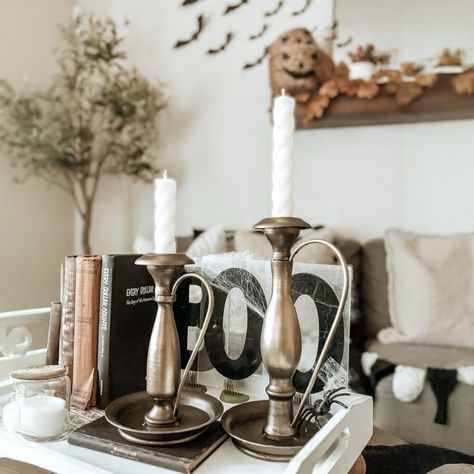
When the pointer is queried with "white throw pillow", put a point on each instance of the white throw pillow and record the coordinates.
(209, 242)
(430, 289)
(257, 244)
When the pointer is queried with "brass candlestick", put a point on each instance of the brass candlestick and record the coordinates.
(165, 414)
(268, 429)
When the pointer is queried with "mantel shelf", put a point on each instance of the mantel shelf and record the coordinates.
(437, 103)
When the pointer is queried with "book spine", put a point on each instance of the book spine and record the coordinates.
(103, 350)
(52, 348)
(68, 297)
(86, 320)
(128, 452)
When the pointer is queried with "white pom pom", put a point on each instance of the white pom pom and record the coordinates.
(466, 374)
(408, 383)
(368, 360)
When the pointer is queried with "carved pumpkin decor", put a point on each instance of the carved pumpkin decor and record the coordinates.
(298, 65)
(293, 59)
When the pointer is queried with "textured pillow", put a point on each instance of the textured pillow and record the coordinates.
(374, 288)
(257, 244)
(209, 242)
(430, 289)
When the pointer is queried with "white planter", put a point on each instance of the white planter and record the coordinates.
(361, 70)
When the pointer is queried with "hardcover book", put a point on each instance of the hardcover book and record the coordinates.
(102, 436)
(127, 314)
(68, 296)
(86, 319)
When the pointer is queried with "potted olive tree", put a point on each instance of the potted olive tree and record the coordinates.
(97, 117)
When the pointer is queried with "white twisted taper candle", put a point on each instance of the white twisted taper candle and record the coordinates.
(282, 176)
(165, 215)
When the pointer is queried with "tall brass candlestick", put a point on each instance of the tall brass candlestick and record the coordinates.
(280, 342)
(268, 429)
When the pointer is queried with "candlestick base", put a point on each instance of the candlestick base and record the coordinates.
(245, 423)
(197, 411)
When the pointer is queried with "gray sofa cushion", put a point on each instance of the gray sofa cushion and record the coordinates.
(421, 355)
(414, 421)
(374, 288)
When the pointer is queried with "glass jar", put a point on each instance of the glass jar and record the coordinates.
(39, 409)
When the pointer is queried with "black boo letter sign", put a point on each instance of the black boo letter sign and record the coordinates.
(214, 354)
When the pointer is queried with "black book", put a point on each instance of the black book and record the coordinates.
(127, 314)
(102, 436)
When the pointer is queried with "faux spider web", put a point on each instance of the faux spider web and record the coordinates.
(332, 374)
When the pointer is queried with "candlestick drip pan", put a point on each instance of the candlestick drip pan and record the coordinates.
(197, 411)
(244, 423)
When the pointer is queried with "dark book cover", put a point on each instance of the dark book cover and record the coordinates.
(102, 436)
(127, 314)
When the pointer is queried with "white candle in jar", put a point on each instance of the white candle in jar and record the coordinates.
(165, 214)
(282, 176)
(40, 416)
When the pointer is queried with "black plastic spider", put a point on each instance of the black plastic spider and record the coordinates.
(322, 407)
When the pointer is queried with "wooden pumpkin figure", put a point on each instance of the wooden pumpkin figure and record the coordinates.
(295, 60)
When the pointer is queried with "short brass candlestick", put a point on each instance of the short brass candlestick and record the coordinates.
(165, 414)
(269, 429)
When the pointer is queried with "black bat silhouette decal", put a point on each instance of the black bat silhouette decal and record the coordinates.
(344, 43)
(201, 22)
(303, 9)
(188, 2)
(260, 33)
(257, 61)
(231, 8)
(276, 10)
(223, 46)
(331, 38)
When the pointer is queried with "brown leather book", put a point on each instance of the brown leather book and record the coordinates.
(86, 320)
(185, 457)
(68, 296)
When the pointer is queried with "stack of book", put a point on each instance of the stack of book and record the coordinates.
(108, 311)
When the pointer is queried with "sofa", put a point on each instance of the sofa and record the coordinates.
(412, 421)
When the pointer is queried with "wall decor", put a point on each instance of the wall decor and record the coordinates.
(368, 90)
(223, 46)
(201, 22)
(260, 33)
(306, 5)
(322, 12)
(231, 8)
(258, 61)
(232, 344)
(275, 10)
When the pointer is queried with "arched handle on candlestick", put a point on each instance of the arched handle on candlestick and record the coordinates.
(335, 324)
(207, 319)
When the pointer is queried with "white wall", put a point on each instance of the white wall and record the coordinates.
(216, 134)
(36, 225)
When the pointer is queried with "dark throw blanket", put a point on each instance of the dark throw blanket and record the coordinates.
(410, 458)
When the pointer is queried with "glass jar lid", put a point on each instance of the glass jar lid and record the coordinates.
(40, 372)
